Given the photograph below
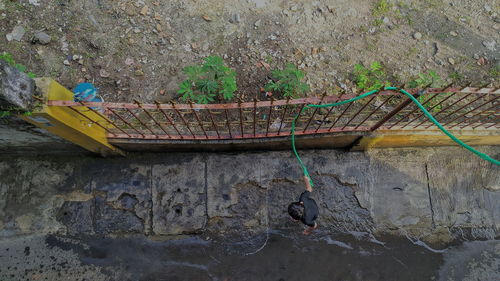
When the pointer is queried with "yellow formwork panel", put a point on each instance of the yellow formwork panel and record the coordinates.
(68, 124)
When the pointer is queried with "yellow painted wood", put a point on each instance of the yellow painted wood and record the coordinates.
(67, 123)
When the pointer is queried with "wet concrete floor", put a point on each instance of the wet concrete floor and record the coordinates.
(276, 255)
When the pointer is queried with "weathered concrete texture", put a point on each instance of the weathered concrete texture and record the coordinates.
(18, 137)
(16, 88)
(435, 194)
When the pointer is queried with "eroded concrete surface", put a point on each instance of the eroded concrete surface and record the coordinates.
(95, 216)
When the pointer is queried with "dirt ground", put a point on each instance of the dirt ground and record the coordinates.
(136, 49)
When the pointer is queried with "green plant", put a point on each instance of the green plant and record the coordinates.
(381, 8)
(288, 81)
(426, 79)
(371, 78)
(7, 57)
(208, 80)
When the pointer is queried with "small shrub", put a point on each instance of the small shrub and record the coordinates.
(288, 81)
(207, 81)
(7, 57)
(382, 7)
(371, 78)
(426, 79)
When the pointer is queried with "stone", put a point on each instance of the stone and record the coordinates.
(453, 33)
(451, 61)
(66, 62)
(490, 45)
(41, 38)
(257, 23)
(386, 20)
(487, 8)
(16, 88)
(417, 35)
(144, 10)
(16, 34)
(103, 73)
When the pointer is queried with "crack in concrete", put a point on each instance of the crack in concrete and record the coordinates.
(151, 231)
(430, 197)
(206, 193)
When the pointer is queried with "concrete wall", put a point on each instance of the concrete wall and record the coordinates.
(435, 194)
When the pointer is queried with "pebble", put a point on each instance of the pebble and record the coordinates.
(42, 38)
(257, 23)
(139, 73)
(66, 62)
(451, 61)
(453, 33)
(487, 8)
(144, 10)
(417, 35)
(386, 20)
(476, 56)
(16, 34)
(490, 45)
(103, 73)
(237, 18)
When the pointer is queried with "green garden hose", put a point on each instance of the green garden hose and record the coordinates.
(433, 120)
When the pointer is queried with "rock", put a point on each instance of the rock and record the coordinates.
(476, 56)
(139, 72)
(451, 61)
(236, 18)
(42, 38)
(490, 45)
(144, 10)
(487, 8)
(482, 61)
(386, 20)
(257, 23)
(129, 61)
(103, 73)
(417, 35)
(453, 33)
(66, 62)
(294, 8)
(16, 34)
(207, 18)
(16, 88)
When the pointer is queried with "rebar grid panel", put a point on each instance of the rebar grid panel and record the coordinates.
(458, 108)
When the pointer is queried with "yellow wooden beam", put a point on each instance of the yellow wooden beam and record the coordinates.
(68, 124)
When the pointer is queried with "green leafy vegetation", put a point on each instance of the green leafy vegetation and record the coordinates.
(426, 79)
(429, 79)
(7, 57)
(288, 81)
(207, 81)
(370, 78)
(381, 8)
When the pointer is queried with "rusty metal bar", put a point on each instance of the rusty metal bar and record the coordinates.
(342, 114)
(449, 114)
(481, 119)
(241, 118)
(269, 117)
(475, 108)
(125, 121)
(140, 121)
(198, 119)
(227, 122)
(152, 118)
(298, 114)
(495, 122)
(356, 114)
(168, 119)
(213, 123)
(105, 118)
(314, 113)
(283, 116)
(394, 112)
(329, 111)
(434, 106)
(415, 109)
(442, 110)
(88, 118)
(369, 115)
(182, 118)
(312, 100)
